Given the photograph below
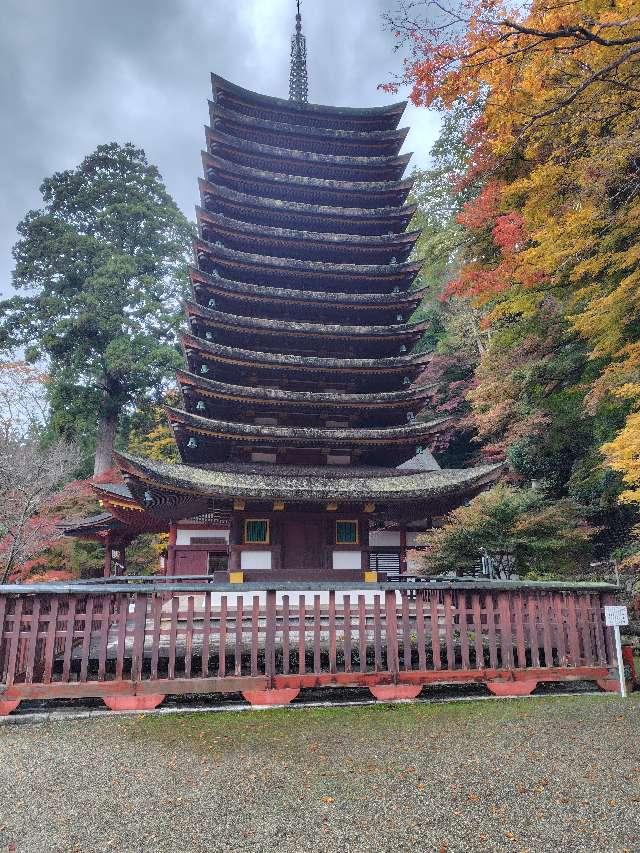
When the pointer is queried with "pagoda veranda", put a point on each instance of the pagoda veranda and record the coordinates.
(303, 448)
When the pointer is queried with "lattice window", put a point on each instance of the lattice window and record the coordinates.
(256, 531)
(346, 532)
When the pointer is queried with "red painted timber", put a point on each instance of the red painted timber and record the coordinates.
(270, 697)
(98, 689)
(395, 692)
(610, 685)
(523, 687)
(7, 706)
(131, 702)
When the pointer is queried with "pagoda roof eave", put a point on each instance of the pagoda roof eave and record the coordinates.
(223, 390)
(212, 161)
(306, 436)
(99, 524)
(217, 112)
(323, 298)
(294, 107)
(359, 484)
(241, 228)
(324, 330)
(405, 212)
(315, 268)
(296, 155)
(239, 356)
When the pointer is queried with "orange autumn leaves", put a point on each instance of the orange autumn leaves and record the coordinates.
(554, 227)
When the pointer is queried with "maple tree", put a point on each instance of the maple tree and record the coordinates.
(522, 531)
(550, 228)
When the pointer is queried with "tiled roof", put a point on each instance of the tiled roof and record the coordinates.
(310, 436)
(316, 485)
(362, 137)
(234, 354)
(402, 298)
(219, 318)
(317, 210)
(317, 398)
(293, 265)
(213, 161)
(306, 156)
(218, 82)
(237, 226)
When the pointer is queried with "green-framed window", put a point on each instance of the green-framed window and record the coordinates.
(346, 532)
(256, 531)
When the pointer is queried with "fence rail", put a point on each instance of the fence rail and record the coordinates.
(133, 643)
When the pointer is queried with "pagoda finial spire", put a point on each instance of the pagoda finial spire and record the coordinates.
(298, 83)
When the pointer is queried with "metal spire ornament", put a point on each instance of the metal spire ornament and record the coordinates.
(298, 83)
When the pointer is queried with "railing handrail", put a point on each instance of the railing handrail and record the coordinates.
(147, 584)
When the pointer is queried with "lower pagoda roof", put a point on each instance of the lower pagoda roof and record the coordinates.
(297, 485)
(219, 319)
(263, 293)
(305, 436)
(235, 355)
(351, 220)
(93, 526)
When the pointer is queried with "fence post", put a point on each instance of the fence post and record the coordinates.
(270, 637)
(391, 620)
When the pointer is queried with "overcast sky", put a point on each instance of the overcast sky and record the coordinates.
(77, 73)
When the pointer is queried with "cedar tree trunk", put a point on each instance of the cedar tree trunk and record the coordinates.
(107, 426)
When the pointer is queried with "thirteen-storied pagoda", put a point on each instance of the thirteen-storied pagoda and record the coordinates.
(304, 452)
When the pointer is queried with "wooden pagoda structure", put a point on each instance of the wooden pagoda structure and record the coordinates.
(301, 431)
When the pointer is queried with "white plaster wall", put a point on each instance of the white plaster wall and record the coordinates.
(347, 561)
(384, 537)
(183, 537)
(255, 561)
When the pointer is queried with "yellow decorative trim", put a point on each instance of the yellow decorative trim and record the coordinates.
(332, 507)
(265, 541)
(371, 577)
(370, 507)
(278, 506)
(236, 577)
(239, 504)
(123, 505)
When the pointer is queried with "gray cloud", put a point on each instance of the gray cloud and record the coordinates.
(77, 73)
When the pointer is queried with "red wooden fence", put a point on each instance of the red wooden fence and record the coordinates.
(140, 641)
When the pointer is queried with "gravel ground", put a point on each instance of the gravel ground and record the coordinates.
(548, 774)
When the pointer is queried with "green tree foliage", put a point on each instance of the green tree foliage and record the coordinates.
(520, 529)
(101, 271)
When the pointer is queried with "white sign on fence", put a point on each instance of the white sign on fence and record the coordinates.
(616, 615)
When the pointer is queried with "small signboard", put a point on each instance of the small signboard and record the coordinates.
(616, 615)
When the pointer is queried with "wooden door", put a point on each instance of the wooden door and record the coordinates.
(302, 550)
(191, 562)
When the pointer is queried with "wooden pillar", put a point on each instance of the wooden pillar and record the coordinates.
(235, 540)
(171, 550)
(107, 556)
(403, 549)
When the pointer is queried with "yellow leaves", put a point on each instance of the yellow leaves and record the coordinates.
(328, 800)
(623, 455)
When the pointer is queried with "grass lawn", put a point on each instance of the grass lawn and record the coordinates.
(550, 774)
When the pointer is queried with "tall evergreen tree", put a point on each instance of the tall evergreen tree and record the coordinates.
(101, 267)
